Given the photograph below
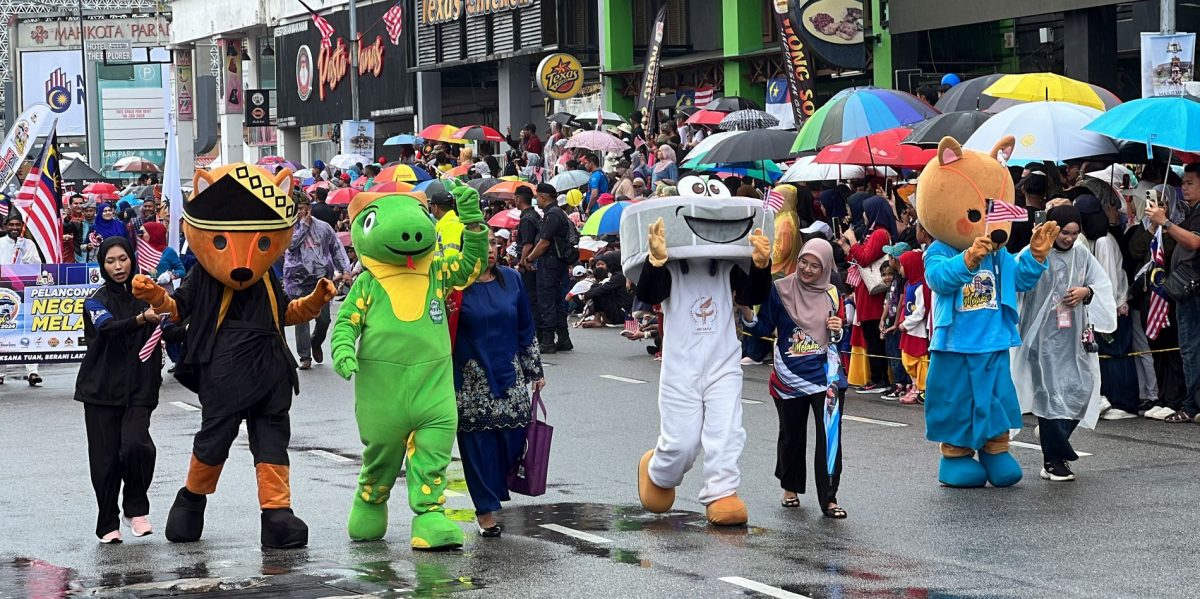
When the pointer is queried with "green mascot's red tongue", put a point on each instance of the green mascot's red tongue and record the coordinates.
(410, 263)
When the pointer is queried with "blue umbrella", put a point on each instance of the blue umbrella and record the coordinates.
(402, 139)
(422, 185)
(605, 221)
(833, 408)
(763, 170)
(1172, 122)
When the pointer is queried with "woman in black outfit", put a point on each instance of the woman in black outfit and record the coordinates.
(119, 390)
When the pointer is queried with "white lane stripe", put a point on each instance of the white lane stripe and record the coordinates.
(450, 493)
(622, 379)
(873, 421)
(570, 532)
(759, 587)
(321, 453)
(1039, 447)
(187, 407)
(751, 401)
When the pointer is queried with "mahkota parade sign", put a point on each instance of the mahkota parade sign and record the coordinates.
(313, 81)
(41, 311)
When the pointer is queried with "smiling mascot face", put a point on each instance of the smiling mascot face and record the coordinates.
(704, 224)
(953, 190)
(394, 228)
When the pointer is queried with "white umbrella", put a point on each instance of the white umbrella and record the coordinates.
(1044, 131)
(804, 169)
(569, 180)
(345, 161)
(1114, 175)
(302, 174)
(597, 141)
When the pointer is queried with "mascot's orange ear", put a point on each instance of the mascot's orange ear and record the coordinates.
(1004, 148)
(283, 179)
(948, 151)
(201, 181)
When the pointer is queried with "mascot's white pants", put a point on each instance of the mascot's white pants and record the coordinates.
(700, 388)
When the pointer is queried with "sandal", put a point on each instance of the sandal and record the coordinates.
(835, 511)
(1177, 417)
(793, 502)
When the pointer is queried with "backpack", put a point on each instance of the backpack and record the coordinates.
(571, 254)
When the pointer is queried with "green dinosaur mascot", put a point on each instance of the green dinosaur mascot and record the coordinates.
(404, 389)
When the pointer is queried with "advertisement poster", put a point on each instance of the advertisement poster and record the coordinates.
(834, 31)
(41, 311)
(800, 71)
(1167, 60)
(231, 76)
(131, 113)
(185, 97)
(649, 91)
(358, 137)
(55, 78)
(32, 124)
(258, 108)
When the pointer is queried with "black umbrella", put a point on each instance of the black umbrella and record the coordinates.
(968, 95)
(731, 104)
(561, 118)
(484, 184)
(687, 110)
(752, 146)
(959, 125)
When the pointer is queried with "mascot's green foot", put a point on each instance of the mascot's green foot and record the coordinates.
(368, 521)
(1002, 469)
(433, 530)
(962, 472)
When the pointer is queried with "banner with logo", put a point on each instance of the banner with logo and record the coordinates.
(779, 102)
(231, 76)
(55, 78)
(1167, 63)
(649, 91)
(258, 108)
(800, 72)
(41, 311)
(32, 124)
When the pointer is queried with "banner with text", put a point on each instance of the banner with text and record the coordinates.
(796, 60)
(55, 78)
(1167, 63)
(649, 92)
(41, 311)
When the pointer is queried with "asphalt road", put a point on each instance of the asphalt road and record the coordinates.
(1124, 529)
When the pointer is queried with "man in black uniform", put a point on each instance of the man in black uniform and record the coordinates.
(527, 232)
(552, 254)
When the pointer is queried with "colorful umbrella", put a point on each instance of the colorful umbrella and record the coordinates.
(598, 141)
(478, 133)
(881, 149)
(403, 172)
(569, 180)
(316, 186)
(509, 219)
(707, 117)
(858, 113)
(1048, 87)
(696, 154)
(959, 125)
(1044, 131)
(1172, 122)
(341, 197)
(833, 408)
(605, 221)
(506, 190)
(763, 170)
(100, 188)
(391, 187)
(731, 104)
(403, 139)
(458, 171)
(745, 120)
(279, 160)
(359, 183)
(440, 133)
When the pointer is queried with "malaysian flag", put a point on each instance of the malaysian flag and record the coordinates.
(147, 257)
(151, 343)
(1000, 212)
(40, 201)
(853, 277)
(773, 202)
(326, 30)
(394, 19)
(704, 95)
(1156, 318)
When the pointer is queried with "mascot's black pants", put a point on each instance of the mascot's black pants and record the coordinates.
(267, 421)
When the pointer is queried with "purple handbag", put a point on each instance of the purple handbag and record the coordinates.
(528, 476)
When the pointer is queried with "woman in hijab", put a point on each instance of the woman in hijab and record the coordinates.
(107, 224)
(169, 267)
(119, 390)
(665, 169)
(866, 340)
(1056, 369)
(804, 314)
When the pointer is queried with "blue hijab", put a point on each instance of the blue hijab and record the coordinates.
(108, 228)
(879, 215)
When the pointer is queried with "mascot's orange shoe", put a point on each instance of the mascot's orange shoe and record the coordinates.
(654, 498)
(727, 511)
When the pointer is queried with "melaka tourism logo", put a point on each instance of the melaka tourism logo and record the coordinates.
(560, 76)
(58, 91)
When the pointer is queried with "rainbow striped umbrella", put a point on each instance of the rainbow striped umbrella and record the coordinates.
(860, 112)
(402, 172)
(441, 133)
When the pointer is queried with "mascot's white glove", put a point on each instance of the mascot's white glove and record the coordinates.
(164, 278)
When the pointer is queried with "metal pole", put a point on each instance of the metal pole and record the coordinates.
(87, 93)
(353, 60)
(1166, 15)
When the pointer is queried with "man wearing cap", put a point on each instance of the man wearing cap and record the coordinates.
(449, 229)
(527, 234)
(551, 253)
(528, 142)
(314, 254)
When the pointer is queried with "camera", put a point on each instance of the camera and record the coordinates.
(1089, 340)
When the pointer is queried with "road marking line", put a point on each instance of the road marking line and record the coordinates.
(1039, 447)
(759, 587)
(570, 532)
(450, 493)
(751, 401)
(187, 407)
(622, 379)
(329, 455)
(874, 421)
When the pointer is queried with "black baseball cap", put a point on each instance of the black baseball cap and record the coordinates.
(437, 194)
(547, 189)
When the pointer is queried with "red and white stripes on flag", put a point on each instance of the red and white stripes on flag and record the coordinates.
(151, 343)
(1157, 318)
(147, 257)
(394, 20)
(704, 95)
(773, 202)
(631, 324)
(1000, 212)
(326, 30)
(853, 277)
(39, 202)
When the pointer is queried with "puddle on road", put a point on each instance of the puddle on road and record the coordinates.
(24, 577)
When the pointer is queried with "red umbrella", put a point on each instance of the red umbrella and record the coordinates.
(391, 187)
(509, 219)
(100, 188)
(344, 238)
(316, 186)
(707, 117)
(880, 149)
(359, 183)
(341, 197)
(478, 133)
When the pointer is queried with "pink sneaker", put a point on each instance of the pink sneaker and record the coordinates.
(141, 526)
(111, 538)
(910, 398)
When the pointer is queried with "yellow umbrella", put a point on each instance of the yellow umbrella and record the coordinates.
(1035, 87)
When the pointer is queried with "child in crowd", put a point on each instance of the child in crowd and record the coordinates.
(889, 324)
(914, 338)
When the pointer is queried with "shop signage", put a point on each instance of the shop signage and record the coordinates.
(560, 76)
(258, 108)
(333, 63)
(444, 11)
(183, 85)
(304, 73)
(64, 32)
(231, 74)
(799, 71)
(649, 91)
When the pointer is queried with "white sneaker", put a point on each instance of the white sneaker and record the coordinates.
(1116, 414)
(1105, 405)
(1159, 413)
(748, 361)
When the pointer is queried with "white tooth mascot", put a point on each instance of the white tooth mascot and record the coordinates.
(704, 253)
